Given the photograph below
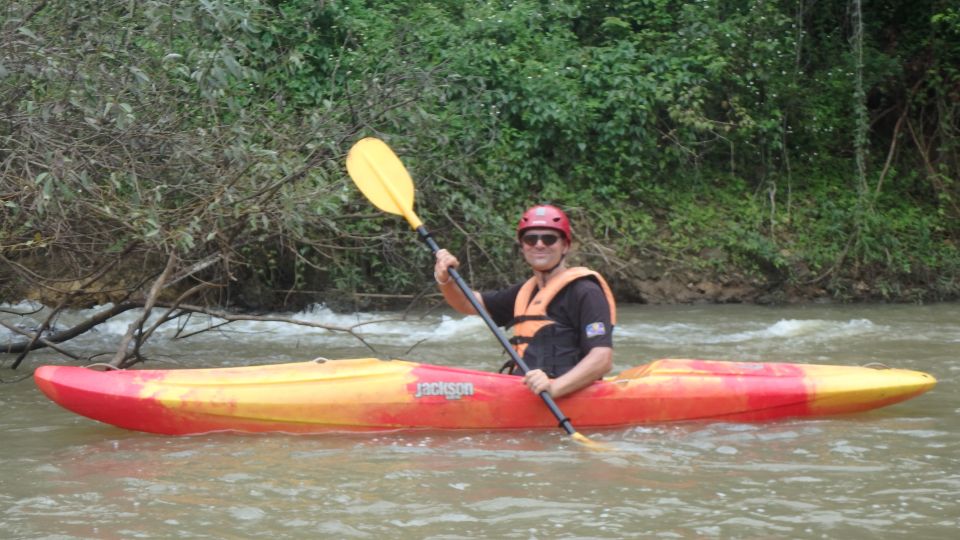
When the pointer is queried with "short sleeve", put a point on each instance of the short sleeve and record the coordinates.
(592, 310)
(500, 303)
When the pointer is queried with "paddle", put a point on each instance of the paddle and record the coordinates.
(383, 179)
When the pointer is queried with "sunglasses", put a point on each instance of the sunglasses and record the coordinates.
(532, 239)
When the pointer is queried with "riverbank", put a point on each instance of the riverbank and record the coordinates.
(652, 284)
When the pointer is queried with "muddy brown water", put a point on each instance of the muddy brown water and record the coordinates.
(890, 473)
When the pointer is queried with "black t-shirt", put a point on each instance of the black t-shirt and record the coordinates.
(581, 304)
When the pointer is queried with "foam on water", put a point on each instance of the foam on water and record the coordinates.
(8, 314)
(797, 329)
(818, 328)
(328, 326)
(397, 329)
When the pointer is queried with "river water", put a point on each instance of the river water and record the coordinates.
(890, 473)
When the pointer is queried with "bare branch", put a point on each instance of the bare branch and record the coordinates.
(76, 330)
(34, 338)
(137, 326)
(233, 317)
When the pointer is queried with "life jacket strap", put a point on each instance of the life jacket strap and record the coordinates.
(524, 318)
(546, 340)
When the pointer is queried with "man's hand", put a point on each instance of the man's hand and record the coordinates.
(594, 365)
(451, 293)
(537, 381)
(445, 260)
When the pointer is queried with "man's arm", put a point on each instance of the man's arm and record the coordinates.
(597, 363)
(451, 292)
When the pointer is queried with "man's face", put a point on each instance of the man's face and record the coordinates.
(543, 248)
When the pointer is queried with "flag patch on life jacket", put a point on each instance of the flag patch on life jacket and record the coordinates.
(595, 329)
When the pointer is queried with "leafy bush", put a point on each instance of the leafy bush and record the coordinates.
(216, 132)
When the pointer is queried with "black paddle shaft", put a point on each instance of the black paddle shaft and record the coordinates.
(501, 337)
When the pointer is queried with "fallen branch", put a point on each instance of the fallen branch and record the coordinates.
(136, 328)
(74, 331)
(34, 338)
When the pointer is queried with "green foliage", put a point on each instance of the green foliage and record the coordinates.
(670, 128)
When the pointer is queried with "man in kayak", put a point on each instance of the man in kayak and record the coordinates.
(562, 317)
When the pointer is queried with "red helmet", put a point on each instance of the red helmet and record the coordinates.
(545, 216)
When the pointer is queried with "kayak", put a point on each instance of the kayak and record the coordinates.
(369, 394)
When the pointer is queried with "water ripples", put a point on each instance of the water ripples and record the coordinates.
(886, 474)
(794, 479)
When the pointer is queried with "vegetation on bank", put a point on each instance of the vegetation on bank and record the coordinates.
(191, 154)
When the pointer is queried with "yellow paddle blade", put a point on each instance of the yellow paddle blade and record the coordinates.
(382, 178)
(590, 443)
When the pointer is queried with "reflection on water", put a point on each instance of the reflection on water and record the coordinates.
(885, 474)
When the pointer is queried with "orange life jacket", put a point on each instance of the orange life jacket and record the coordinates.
(538, 339)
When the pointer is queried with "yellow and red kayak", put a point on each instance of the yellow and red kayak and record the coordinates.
(370, 394)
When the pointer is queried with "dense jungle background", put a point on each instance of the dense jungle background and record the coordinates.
(190, 154)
